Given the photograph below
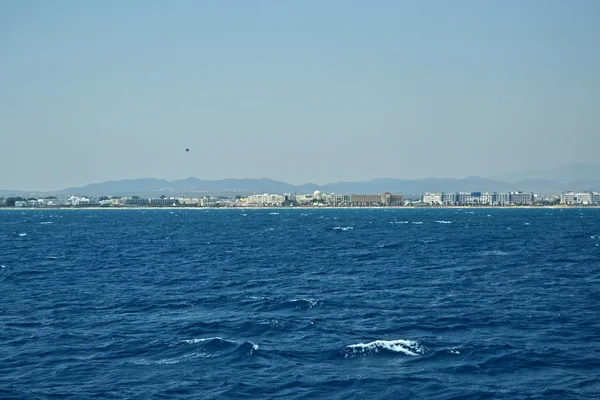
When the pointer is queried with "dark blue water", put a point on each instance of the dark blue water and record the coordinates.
(300, 304)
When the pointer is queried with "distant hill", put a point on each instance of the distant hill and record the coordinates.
(149, 187)
(577, 177)
(563, 174)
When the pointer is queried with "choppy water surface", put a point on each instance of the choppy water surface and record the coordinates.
(300, 304)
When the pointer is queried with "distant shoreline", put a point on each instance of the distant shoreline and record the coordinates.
(299, 208)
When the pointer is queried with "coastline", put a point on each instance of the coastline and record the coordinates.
(298, 208)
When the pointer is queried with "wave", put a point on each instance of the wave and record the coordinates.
(418, 223)
(399, 222)
(343, 228)
(443, 222)
(272, 323)
(46, 222)
(493, 253)
(212, 347)
(407, 347)
(304, 302)
(22, 234)
(391, 246)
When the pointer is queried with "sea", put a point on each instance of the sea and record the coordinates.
(471, 303)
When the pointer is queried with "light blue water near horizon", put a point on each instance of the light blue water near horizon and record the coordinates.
(300, 304)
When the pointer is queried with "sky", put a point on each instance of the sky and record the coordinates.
(300, 91)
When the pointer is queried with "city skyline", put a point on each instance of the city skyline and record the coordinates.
(294, 91)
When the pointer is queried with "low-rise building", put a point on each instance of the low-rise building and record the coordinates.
(521, 199)
(432, 198)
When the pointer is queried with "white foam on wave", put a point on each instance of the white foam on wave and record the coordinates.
(22, 234)
(399, 222)
(418, 223)
(273, 323)
(194, 341)
(344, 228)
(595, 237)
(311, 302)
(408, 347)
(443, 222)
(526, 223)
(273, 213)
(494, 253)
(200, 340)
(46, 222)
(261, 298)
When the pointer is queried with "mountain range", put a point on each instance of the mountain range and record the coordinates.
(577, 177)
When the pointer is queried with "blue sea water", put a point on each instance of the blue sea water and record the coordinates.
(300, 304)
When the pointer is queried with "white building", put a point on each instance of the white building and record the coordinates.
(432, 198)
(487, 198)
(262, 200)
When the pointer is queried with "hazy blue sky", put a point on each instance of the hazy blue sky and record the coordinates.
(298, 90)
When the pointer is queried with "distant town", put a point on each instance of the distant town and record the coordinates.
(316, 199)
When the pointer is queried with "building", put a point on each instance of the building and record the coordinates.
(584, 198)
(340, 199)
(390, 199)
(468, 198)
(164, 202)
(502, 199)
(521, 199)
(432, 198)
(136, 201)
(265, 200)
(568, 198)
(487, 198)
(449, 199)
(366, 199)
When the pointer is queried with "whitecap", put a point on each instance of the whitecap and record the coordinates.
(261, 298)
(526, 223)
(443, 222)
(311, 302)
(273, 213)
(22, 234)
(399, 222)
(344, 228)
(194, 341)
(273, 323)
(408, 347)
(46, 222)
(418, 223)
(494, 253)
